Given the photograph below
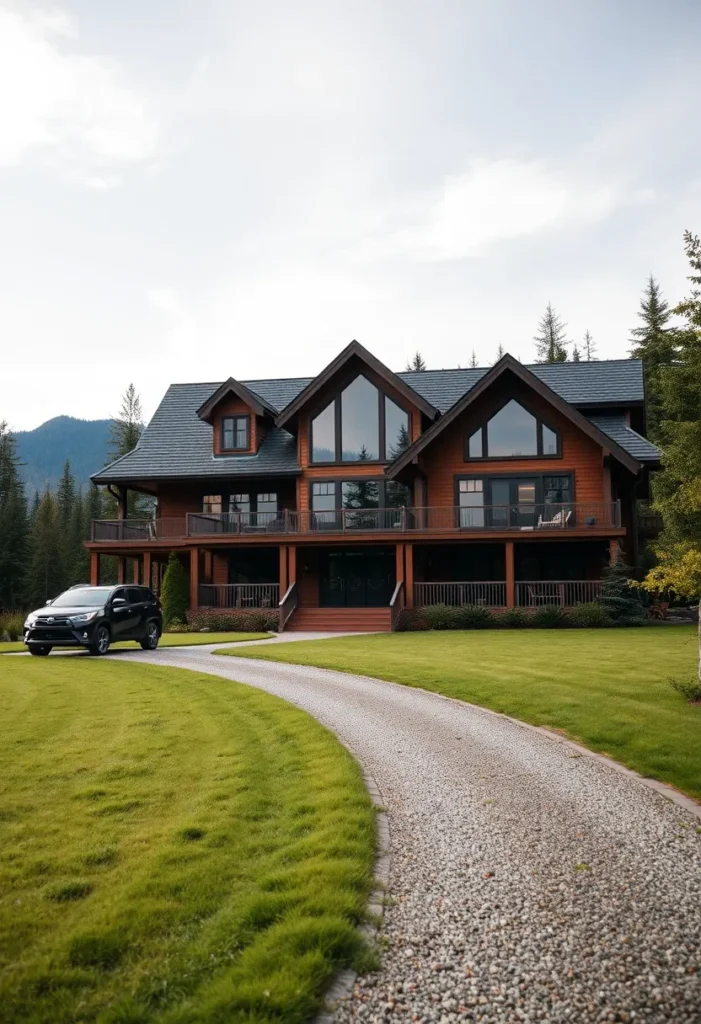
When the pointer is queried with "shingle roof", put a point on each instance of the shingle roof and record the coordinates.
(618, 430)
(177, 444)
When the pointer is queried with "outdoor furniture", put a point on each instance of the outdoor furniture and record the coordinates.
(560, 519)
(554, 596)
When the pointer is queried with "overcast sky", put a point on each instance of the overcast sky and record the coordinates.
(195, 189)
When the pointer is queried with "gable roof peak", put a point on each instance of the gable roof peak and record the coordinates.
(234, 387)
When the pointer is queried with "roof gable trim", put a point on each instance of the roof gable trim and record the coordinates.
(234, 387)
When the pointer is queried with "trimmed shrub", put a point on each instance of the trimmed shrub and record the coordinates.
(588, 616)
(234, 620)
(175, 594)
(411, 620)
(513, 618)
(473, 616)
(440, 616)
(689, 689)
(11, 626)
(549, 616)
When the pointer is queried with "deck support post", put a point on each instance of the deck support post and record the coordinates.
(121, 569)
(400, 563)
(291, 565)
(135, 570)
(147, 581)
(194, 577)
(94, 568)
(283, 571)
(409, 575)
(510, 576)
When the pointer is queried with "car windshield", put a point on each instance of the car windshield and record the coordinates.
(90, 597)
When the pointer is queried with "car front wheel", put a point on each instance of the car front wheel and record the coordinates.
(101, 641)
(39, 652)
(150, 641)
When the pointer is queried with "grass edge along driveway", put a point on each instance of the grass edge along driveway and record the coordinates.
(173, 847)
(607, 689)
(167, 640)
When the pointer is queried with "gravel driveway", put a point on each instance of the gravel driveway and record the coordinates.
(527, 883)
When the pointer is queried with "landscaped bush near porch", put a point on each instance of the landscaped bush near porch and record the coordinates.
(545, 616)
(237, 620)
(11, 625)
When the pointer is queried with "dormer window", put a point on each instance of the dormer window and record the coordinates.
(236, 433)
(512, 433)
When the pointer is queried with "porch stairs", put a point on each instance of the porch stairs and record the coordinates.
(339, 620)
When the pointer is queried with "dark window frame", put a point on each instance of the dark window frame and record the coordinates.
(482, 427)
(232, 419)
(539, 476)
(226, 493)
(347, 478)
(335, 400)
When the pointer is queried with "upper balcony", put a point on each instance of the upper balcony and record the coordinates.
(543, 519)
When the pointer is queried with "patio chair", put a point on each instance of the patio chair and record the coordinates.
(560, 519)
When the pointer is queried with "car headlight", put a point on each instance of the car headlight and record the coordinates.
(31, 620)
(77, 620)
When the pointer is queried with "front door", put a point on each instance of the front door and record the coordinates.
(356, 579)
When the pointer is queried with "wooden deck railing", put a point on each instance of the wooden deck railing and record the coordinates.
(565, 593)
(288, 604)
(238, 595)
(491, 593)
(542, 519)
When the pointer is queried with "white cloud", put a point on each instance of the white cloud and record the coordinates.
(75, 107)
(492, 202)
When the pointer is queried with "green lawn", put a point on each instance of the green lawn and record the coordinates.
(173, 848)
(169, 640)
(607, 688)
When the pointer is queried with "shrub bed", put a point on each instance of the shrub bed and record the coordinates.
(546, 616)
(234, 620)
(11, 624)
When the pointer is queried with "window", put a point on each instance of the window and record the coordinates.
(324, 503)
(240, 507)
(471, 500)
(397, 437)
(266, 503)
(135, 595)
(212, 504)
(235, 433)
(397, 495)
(557, 490)
(360, 494)
(360, 424)
(324, 435)
(512, 433)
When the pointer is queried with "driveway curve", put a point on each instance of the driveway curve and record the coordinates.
(527, 882)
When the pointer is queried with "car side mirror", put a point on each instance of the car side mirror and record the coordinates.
(118, 601)
(50, 601)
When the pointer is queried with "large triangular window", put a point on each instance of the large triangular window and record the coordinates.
(360, 424)
(512, 433)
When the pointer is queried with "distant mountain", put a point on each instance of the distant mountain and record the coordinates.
(44, 450)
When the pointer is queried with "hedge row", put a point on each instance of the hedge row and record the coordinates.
(234, 620)
(547, 616)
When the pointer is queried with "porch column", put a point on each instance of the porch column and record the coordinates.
(614, 549)
(283, 570)
(510, 575)
(400, 563)
(135, 570)
(94, 568)
(121, 569)
(194, 577)
(291, 564)
(409, 574)
(147, 569)
(122, 503)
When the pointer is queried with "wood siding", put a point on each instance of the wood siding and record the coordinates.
(444, 459)
(235, 407)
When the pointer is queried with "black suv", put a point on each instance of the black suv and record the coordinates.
(95, 617)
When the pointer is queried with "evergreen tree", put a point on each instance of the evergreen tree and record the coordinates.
(473, 360)
(128, 426)
(620, 601)
(78, 560)
(175, 594)
(589, 346)
(576, 355)
(14, 523)
(401, 444)
(70, 529)
(657, 345)
(416, 364)
(500, 352)
(551, 339)
(45, 571)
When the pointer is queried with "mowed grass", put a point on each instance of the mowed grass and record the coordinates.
(167, 640)
(173, 848)
(607, 688)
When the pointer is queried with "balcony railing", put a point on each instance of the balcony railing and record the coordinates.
(491, 593)
(238, 595)
(544, 519)
(565, 593)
